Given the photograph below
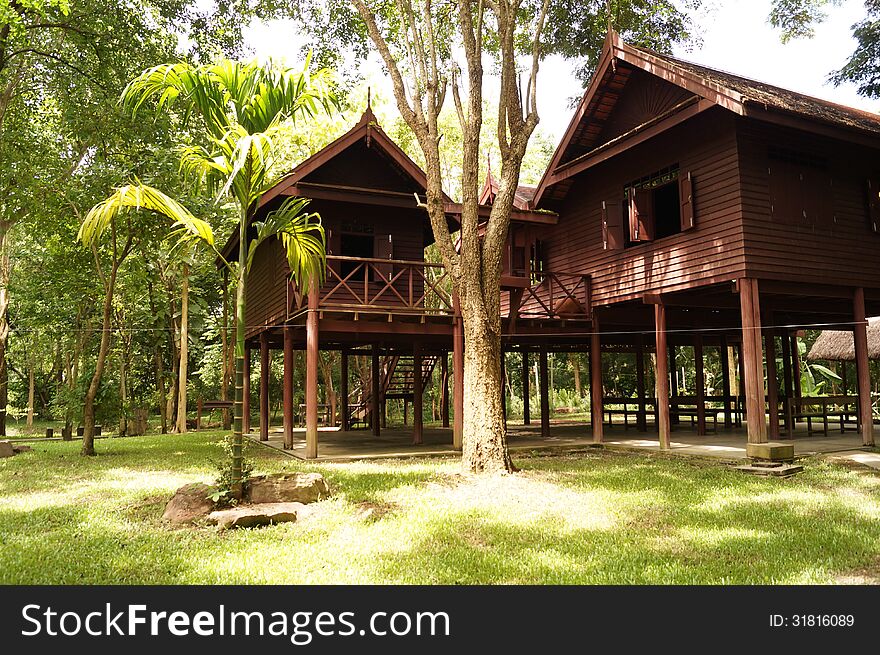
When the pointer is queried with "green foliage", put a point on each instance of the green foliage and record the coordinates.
(224, 481)
(798, 18)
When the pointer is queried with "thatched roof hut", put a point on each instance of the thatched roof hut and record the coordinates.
(837, 345)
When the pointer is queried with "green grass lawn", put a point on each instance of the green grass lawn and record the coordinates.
(594, 517)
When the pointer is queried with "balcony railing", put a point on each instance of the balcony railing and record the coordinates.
(549, 295)
(380, 285)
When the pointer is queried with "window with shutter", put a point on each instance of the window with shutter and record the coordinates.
(612, 225)
(384, 250)
(641, 214)
(686, 198)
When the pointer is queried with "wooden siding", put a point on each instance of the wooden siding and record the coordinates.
(364, 167)
(266, 291)
(837, 247)
(712, 252)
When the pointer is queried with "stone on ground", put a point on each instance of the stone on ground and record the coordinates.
(6, 449)
(287, 487)
(190, 503)
(21, 449)
(250, 516)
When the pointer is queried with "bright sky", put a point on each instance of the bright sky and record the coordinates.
(735, 37)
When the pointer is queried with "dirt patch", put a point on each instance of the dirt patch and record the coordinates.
(370, 511)
(145, 509)
(869, 575)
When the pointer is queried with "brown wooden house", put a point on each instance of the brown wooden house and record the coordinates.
(684, 208)
(712, 210)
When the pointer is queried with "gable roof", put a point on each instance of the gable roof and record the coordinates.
(521, 197)
(366, 129)
(709, 87)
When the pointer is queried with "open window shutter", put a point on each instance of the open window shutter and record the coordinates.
(873, 185)
(384, 250)
(686, 196)
(612, 225)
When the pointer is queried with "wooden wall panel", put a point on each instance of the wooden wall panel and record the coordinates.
(712, 252)
(839, 248)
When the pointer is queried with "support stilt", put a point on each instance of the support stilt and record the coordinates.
(264, 386)
(287, 394)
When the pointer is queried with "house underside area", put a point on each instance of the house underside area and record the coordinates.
(742, 324)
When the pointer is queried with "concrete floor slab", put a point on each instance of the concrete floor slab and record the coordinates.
(337, 445)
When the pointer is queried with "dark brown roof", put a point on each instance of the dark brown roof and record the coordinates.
(709, 86)
(769, 96)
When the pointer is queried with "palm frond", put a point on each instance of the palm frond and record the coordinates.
(302, 237)
(140, 197)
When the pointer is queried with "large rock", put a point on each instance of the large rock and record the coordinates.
(6, 449)
(287, 487)
(189, 503)
(250, 516)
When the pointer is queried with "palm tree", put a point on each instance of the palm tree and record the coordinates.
(242, 106)
(101, 219)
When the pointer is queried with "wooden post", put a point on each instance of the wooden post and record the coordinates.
(700, 383)
(526, 376)
(662, 375)
(724, 355)
(673, 385)
(418, 414)
(457, 377)
(772, 384)
(444, 389)
(375, 391)
(343, 391)
(246, 392)
(287, 396)
(753, 364)
(543, 390)
(863, 372)
(796, 366)
(405, 410)
(312, 355)
(844, 382)
(741, 387)
(642, 419)
(264, 386)
(596, 393)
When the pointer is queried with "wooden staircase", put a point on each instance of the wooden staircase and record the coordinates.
(398, 377)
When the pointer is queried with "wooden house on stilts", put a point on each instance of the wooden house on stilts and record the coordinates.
(686, 209)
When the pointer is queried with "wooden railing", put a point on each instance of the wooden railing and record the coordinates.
(381, 285)
(550, 294)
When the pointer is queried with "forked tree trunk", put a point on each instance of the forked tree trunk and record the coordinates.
(576, 365)
(180, 426)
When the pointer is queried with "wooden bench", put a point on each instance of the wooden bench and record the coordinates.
(210, 405)
(629, 407)
(822, 408)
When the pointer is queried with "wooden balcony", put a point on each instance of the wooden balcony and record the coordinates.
(379, 286)
(394, 286)
(547, 295)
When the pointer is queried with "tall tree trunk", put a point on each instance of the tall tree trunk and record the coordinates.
(5, 272)
(224, 334)
(123, 395)
(160, 388)
(32, 364)
(329, 391)
(576, 365)
(88, 444)
(184, 352)
(484, 444)
(237, 434)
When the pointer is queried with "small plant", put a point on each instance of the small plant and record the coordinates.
(224, 481)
